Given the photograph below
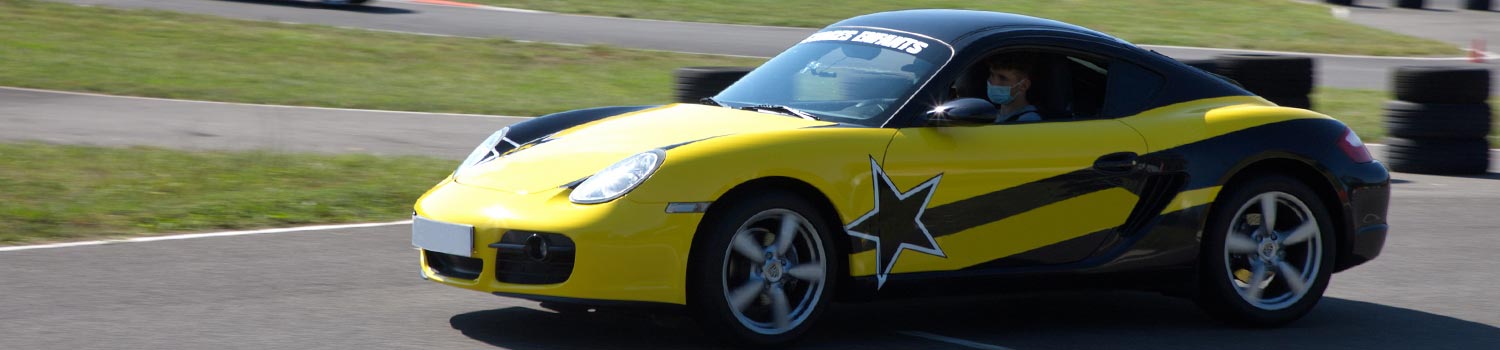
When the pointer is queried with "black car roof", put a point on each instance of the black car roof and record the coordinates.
(953, 25)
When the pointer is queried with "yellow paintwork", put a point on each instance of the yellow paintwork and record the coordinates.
(976, 160)
(593, 146)
(1183, 123)
(1193, 198)
(630, 249)
(1041, 227)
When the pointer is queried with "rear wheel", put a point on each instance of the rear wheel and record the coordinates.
(1268, 254)
(764, 270)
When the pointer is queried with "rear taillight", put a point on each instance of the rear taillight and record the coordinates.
(1355, 148)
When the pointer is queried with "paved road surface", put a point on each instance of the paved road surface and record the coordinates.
(1433, 288)
(68, 118)
(1346, 72)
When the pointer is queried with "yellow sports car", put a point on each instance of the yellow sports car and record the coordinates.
(916, 152)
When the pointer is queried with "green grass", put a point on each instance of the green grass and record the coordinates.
(57, 193)
(1246, 24)
(54, 193)
(161, 54)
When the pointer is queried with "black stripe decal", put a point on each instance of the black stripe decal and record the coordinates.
(990, 207)
(983, 209)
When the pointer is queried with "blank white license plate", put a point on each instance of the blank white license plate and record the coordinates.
(442, 237)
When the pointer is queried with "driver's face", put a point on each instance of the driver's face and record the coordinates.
(1005, 77)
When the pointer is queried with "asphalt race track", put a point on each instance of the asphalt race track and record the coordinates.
(1433, 288)
(1437, 285)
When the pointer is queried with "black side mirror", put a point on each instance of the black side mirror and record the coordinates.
(965, 109)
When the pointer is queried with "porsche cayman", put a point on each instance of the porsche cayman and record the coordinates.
(871, 160)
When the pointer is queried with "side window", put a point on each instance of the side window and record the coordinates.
(1130, 90)
(1060, 85)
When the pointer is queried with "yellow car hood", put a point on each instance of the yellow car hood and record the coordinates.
(581, 151)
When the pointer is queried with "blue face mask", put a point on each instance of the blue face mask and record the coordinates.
(999, 94)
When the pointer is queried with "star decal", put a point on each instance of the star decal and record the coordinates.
(895, 223)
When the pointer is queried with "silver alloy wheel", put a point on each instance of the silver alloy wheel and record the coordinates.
(773, 271)
(1273, 250)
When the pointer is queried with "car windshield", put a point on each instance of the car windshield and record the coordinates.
(848, 76)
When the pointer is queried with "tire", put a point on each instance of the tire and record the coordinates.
(1232, 263)
(1269, 75)
(1437, 156)
(1410, 4)
(1449, 85)
(1423, 120)
(1340, 2)
(734, 297)
(1480, 5)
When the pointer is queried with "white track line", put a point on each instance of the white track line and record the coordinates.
(202, 235)
(473, 6)
(258, 105)
(1488, 55)
(952, 340)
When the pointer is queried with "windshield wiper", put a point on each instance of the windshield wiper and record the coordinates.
(784, 109)
(711, 101)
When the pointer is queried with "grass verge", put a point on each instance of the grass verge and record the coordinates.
(57, 193)
(1245, 24)
(161, 54)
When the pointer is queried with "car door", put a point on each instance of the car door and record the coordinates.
(1050, 189)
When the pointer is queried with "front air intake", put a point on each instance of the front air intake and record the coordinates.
(524, 257)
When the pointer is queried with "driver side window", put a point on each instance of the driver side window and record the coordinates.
(1032, 85)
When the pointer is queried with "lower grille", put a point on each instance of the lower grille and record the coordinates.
(454, 266)
(533, 258)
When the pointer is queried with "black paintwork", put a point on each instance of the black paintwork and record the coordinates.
(894, 221)
(1169, 243)
(538, 128)
(977, 34)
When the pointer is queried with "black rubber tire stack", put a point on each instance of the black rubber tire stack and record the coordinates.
(1440, 121)
(1410, 4)
(695, 83)
(1480, 5)
(1285, 80)
(1340, 2)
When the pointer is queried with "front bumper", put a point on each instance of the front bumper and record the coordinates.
(1369, 195)
(622, 250)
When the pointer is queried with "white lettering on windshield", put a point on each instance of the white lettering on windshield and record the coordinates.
(892, 41)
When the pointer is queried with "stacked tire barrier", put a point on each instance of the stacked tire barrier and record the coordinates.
(1340, 2)
(1285, 80)
(1410, 4)
(1440, 121)
(1481, 5)
(695, 83)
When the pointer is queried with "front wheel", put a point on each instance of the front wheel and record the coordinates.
(763, 272)
(1268, 253)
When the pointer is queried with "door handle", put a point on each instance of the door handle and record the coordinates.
(1116, 162)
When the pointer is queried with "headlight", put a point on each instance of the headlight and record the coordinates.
(484, 152)
(618, 179)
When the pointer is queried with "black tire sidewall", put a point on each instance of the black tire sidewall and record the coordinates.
(705, 292)
(1217, 293)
